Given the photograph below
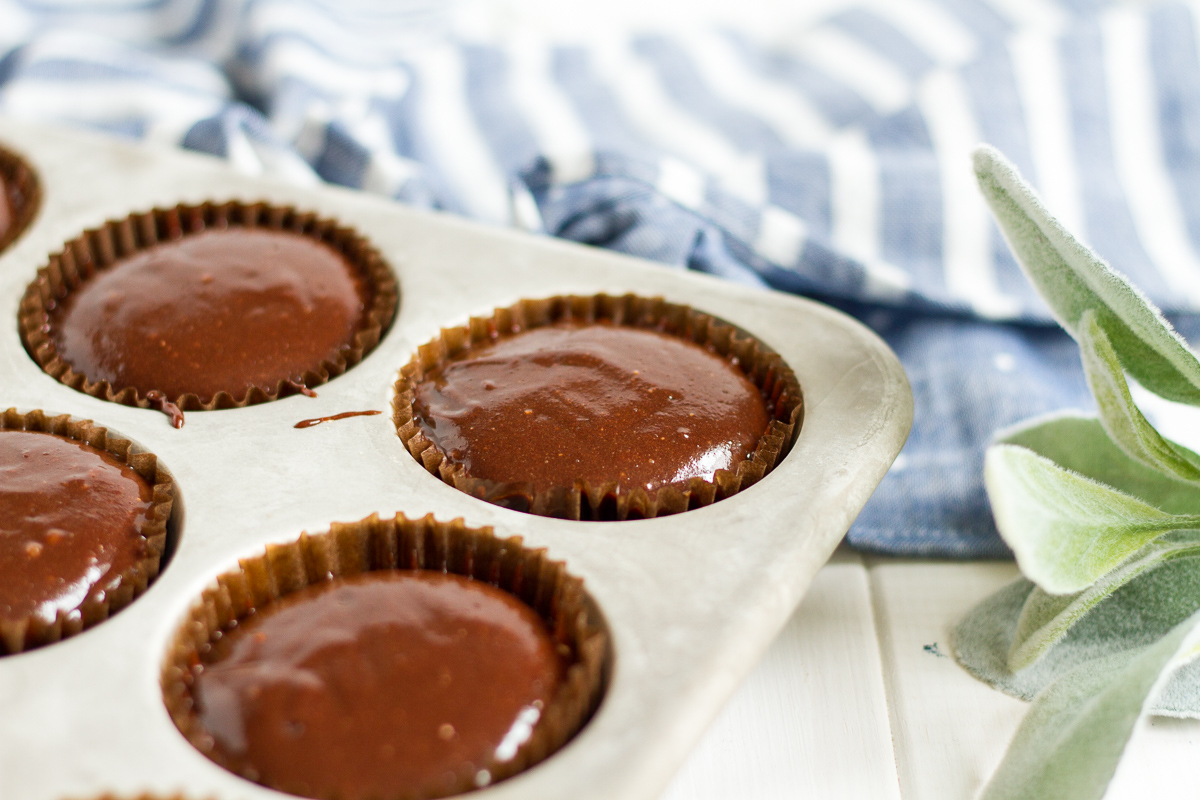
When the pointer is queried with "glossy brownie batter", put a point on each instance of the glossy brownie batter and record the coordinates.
(383, 684)
(221, 310)
(597, 402)
(70, 522)
(6, 209)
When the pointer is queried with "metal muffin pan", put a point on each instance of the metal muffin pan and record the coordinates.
(691, 600)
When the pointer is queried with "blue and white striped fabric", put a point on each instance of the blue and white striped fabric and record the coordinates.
(822, 152)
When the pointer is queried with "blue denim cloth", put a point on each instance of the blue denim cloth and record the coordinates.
(825, 157)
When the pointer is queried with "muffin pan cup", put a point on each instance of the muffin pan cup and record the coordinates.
(406, 545)
(99, 248)
(691, 600)
(21, 192)
(120, 590)
(608, 500)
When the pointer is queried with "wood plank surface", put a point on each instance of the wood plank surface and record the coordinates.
(811, 720)
(950, 730)
(859, 698)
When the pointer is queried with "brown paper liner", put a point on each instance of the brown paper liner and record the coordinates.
(609, 500)
(400, 543)
(18, 636)
(100, 248)
(24, 195)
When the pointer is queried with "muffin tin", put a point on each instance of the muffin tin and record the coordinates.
(691, 600)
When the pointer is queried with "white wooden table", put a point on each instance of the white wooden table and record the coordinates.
(859, 699)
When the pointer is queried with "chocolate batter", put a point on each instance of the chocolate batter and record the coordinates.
(218, 310)
(595, 402)
(308, 423)
(378, 685)
(6, 209)
(70, 522)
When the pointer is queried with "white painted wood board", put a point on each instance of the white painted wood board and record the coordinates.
(809, 722)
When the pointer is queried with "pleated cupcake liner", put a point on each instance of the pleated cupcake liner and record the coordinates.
(608, 500)
(17, 636)
(100, 248)
(374, 544)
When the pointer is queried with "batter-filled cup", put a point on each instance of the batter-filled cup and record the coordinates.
(598, 408)
(389, 658)
(20, 197)
(83, 526)
(206, 307)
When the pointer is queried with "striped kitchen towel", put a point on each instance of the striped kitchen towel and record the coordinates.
(821, 150)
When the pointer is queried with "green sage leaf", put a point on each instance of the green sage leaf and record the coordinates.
(1120, 416)
(1067, 530)
(1080, 444)
(1072, 279)
(1045, 618)
(1137, 614)
(1068, 745)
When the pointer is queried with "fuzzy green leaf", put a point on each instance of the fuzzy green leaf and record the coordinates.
(1136, 614)
(1069, 743)
(1045, 618)
(1072, 279)
(1118, 413)
(1067, 530)
(1079, 443)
